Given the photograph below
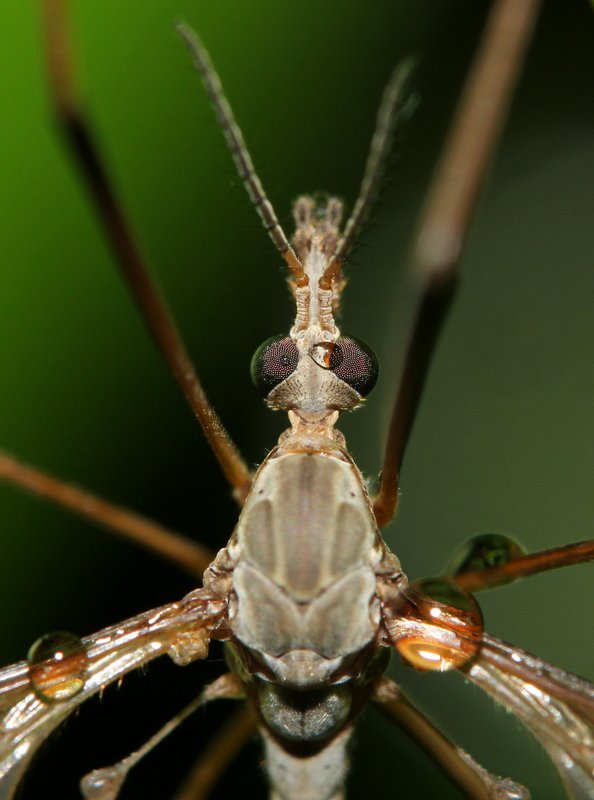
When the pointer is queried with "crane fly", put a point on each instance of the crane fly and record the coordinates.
(20, 679)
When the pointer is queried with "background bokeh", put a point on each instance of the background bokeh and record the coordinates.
(504, 437)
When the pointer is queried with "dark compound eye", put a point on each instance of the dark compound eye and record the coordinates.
(272, 362)
(355, 363)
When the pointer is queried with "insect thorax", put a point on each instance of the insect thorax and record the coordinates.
(301, 572)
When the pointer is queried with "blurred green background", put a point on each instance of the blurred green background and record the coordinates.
(504, 438)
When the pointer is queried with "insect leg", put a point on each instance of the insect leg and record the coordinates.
(190, 556)
(78, 136)
(531, 564)
(445, 219)
(475, 782)
(225, 687)
(38, 694)
(435, 625)
(220, 752)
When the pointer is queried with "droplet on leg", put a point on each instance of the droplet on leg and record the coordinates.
(58, 664)
(483, 552)
(438, 625)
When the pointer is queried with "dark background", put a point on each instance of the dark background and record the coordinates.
(503, 440)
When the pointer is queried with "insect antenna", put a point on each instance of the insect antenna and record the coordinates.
(237, 146)
(397, 103)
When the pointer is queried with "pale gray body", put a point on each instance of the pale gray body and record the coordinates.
(302, 569)
(305, 543)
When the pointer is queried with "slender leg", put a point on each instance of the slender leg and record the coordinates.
(531, 564)
(37, 695)
(474, 781)
(76, 130)
(445, 220)
(190, 556)
(221, 751)
(225, 687)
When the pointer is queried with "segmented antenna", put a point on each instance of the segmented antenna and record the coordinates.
(235, 141)
(397, 102)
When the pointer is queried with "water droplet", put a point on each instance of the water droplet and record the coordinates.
(482, 552)
(497, 788)
(58, 665)
(441, 625)
(445, 593)
(506, 789)
(322, 353)
(104, 784)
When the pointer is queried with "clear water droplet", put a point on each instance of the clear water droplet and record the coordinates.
(482, 552)
(442, 625)
(58, 665)
(497, 788)
(444, 592)
(105, 783)
(507, 789)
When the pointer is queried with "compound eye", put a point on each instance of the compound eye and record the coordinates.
(355, 363)
(272, 362)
